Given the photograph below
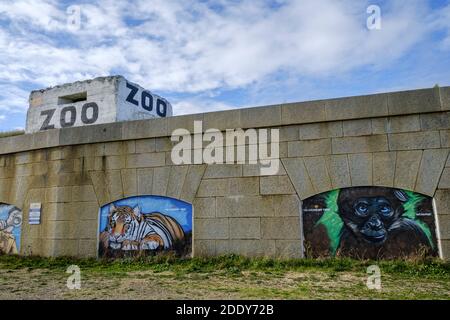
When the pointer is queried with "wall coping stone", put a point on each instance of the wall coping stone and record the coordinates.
(429, 100)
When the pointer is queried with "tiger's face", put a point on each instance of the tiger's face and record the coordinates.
(123, 221)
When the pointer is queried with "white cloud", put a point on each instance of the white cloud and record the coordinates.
(186, 46)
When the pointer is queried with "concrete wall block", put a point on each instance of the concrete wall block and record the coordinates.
(320, 130)
(58, 194)
(209, 229)
(114, 185)
(445, 97)
(296, 170)
(380, 125)
(414, 140)
(254, 170)
(85, 210)
(87, 248)
(145, 145)
(442, 201)
(146, 160)
(409, 123)
(176, 180)
(444, 182)
(444, 227)
(287, 228)
(163, 144)
(309, 148)
(192, 182)
(303, 112)
(160, 180)
(204, 248)
(339, 171)
(406, 169)
(222, 120)
(286, 206)
(376, 143)
(252, 248)
(204, 208)
(445, 245)
(223, 171)
(129, 181)
(64, 248)
(144, 181)
(318, 173)
(87, 229)
(414, 101)
(430, 170)
(229, 187)
(445, 138)
(361, 166)
(183, 122)
(144, 129)
(99, 182)
(245, 228)
(289, 249)
(276, 185)
(91, 134)
(384, 168)
(435, 121)
(289, 133)
(83, 193)
(241, 206)
(360, 127)
(356, 107)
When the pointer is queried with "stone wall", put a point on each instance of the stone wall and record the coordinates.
(399, 139)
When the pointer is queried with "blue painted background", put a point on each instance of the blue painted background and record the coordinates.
(179, 210)
(4, 211)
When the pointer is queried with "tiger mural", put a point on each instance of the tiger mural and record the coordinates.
(129, 229)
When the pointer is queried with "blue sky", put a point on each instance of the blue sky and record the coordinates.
(216, 55)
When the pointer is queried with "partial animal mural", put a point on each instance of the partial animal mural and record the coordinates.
(369, 223)
(145, 225)
(10, 229)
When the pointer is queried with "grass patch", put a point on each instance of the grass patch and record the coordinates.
(230, 265)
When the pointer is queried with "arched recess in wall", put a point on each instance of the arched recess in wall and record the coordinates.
(143, 225)
(10, 229)
(369, 223)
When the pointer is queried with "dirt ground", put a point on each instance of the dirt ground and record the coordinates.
(51, 284)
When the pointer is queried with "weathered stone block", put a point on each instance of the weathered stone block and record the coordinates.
(318, 173)
(361, 127)
(176, 181)
(444, 182)
(414, 140)
(204, 208)
(361, 166)
(296, 170)
(320, 130)
(400, 124)
(356, 107)
(361, 144)
(192, 182)
(222, 120)
(303, 112)
(144, 129)
(406, 169)
(252, 248)
(339, 171)
(276, 185)
(430, 170)
(87, 248)
(146, 160)
(145, 146)
(223, 171)
(276, 228)
(160, 180)
(309, 148)
(242, 206)
(291, 249)
(435, 121)
(245, 228)
(129, 181)
(204, 248)
(208, 229)
(414, 101)
(83, 193)
(384, 168)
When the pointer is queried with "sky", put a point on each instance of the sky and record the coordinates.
(225, 54)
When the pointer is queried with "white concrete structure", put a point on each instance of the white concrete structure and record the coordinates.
(97, 101)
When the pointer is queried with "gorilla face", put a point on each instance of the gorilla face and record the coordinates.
(372, 215)
(370, 212)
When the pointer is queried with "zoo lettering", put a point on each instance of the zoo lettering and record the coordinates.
(68, 115)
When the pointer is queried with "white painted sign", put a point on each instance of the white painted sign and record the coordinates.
(34, 216)
(98, 101)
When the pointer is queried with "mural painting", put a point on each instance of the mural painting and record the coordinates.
(369, 223)
(145, 225)
(10, 229)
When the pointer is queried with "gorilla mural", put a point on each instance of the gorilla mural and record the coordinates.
(369, 223)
